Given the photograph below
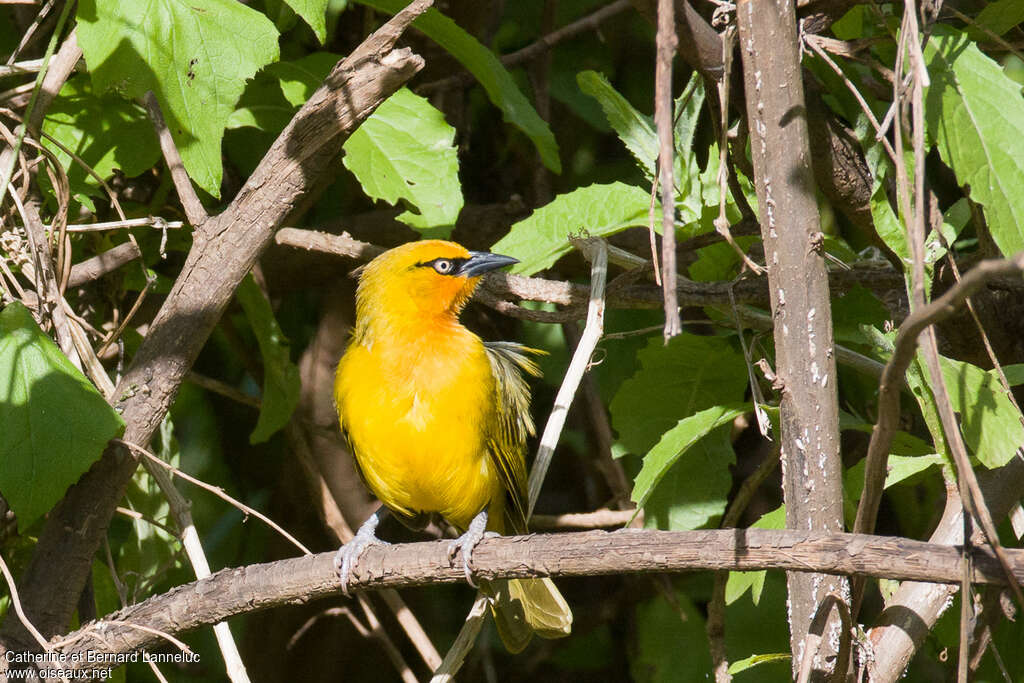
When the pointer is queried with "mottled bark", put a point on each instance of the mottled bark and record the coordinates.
(798, 285)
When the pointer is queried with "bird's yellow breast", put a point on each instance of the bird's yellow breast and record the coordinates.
(417, 415)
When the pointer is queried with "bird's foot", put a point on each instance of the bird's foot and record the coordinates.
(348, 554)
(465, 544)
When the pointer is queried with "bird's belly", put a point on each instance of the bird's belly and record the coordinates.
(423, 452)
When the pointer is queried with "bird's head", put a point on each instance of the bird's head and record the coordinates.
(429, 278)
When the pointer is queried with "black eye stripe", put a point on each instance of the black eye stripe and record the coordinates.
(444, 266)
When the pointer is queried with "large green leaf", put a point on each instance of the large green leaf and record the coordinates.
(195, 55)
(281, 383)
(405, 153)
(975, 114)
(636, 130)
(693, 490)
(989, 422)
(598, 210)
(107, 132)
(489, 71)
(54, 423)
(675, 381)
(674, 445)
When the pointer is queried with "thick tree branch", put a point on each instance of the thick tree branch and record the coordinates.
(801, 309)
(224, 250)
(232, 592)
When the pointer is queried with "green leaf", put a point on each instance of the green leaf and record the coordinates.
(300, 78)
(487, 68)
(900, 467)
(314, 13)
(859, 306)
(281, 384)
(276, 93)
(975, 114)
(636, 130)
(739, 582)
(405, 152)
(989, 422)
(54, 422)
(690, 189)
(671, 642)
(753, 660)
(195, 56)
(675, 381)
(676, 442)
(998, 17)
(106, 132)
(598, 210)
(1014, 374)
(694, 490)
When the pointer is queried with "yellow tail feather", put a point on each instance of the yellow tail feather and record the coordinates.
(523, 607)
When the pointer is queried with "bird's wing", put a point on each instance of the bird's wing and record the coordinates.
(513, 424)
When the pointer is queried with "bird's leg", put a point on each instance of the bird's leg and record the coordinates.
(349, 553)
(465, 543)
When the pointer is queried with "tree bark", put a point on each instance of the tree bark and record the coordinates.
(231, 592)
(798, 285)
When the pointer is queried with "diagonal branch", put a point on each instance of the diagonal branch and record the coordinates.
(892, 377)
(224, 250)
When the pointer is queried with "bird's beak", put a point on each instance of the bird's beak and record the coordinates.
(480, 262)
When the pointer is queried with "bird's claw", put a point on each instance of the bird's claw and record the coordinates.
(348, 555)
(467, 542)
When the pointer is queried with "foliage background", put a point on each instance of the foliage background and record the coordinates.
(518, 158)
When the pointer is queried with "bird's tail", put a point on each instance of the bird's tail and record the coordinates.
(523, 607)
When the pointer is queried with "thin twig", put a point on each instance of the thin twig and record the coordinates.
(722, 222)
(7, 172)
(194, 210)
(147, 222)
(596, 251)
(816, 633)
(591, 22)
(217, 491)
(815, 44)
(181, 510)
(666, 50)
(598, 519)
(456, 655)
(31, 30)
(16, 602)
(222, 388)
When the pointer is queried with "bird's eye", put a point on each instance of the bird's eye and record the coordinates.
(443, 266)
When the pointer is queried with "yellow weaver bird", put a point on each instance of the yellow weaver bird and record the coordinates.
(438, 419)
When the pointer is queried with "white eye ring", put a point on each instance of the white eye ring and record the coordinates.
(443, 266)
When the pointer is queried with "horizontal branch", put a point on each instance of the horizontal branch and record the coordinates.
(642, 295)
(630, 551)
